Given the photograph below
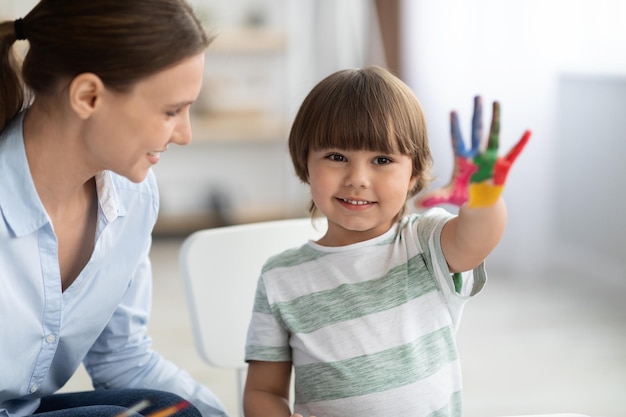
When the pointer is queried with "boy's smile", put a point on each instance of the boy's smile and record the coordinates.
(355, 204)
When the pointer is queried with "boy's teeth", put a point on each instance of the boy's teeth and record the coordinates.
(358, 203)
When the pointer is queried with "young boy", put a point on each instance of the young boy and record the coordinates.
(366, 316)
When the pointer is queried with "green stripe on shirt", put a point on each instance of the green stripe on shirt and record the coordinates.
(377, 372)
(350, 301)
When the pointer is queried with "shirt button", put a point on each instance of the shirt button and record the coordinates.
(51, 338)
(34, 389)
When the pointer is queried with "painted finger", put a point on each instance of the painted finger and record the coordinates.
(457, 138)
(512, 155)
(455, 192)
(477, 126)
(494, 132)
(454, 195)
(503, 165)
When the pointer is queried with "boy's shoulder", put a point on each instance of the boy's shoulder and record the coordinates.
(424, 223)
(291, 257)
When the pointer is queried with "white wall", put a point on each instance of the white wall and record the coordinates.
(516, 52)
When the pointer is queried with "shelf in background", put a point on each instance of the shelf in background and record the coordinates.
(248, 40)
(238, 127)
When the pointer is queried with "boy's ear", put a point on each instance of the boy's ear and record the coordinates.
(413, 182)
(85, 94)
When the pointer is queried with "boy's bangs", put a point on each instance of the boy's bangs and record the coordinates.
(353, 126)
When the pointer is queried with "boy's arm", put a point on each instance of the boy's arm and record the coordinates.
(477, 182)
(467, 239)
(267, 389)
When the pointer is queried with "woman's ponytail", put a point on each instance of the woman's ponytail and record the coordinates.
(12, 89)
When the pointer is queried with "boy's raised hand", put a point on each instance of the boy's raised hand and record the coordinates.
(479, 174)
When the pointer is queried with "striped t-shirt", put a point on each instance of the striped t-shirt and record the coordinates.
(369, 327)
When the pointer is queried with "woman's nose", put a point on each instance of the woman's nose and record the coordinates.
(182, 132)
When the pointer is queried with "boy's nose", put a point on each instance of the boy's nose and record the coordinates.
(358, 177)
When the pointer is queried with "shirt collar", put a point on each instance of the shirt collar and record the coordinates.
(110, 205)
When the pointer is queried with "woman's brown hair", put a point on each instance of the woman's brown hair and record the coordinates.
(362, 109)
(121, 41)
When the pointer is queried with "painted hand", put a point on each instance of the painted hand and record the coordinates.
(479, 175)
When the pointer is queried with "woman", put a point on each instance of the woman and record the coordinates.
(107, 86)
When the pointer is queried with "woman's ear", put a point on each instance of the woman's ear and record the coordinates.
(85, 94)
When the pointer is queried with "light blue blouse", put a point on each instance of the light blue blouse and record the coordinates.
(101, 318)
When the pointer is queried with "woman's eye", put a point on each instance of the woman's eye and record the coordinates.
(173, 113)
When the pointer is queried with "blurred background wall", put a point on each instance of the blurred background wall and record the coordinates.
(558, 69)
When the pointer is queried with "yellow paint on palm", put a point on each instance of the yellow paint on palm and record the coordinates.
(483, 194)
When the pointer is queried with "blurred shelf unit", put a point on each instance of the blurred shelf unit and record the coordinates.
(243, 96)
(234, 170)
(264, 58)
(238, 127)
(249, 41)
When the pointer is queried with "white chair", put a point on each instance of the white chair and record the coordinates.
(220, 269)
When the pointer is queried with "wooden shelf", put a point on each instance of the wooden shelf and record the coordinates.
(239, 127)
(249, 40)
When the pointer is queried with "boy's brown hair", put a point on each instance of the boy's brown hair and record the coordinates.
(362, 109)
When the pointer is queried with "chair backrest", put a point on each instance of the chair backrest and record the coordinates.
(220, 268)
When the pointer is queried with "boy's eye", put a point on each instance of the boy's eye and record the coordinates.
(336, 157)
(382, 160)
